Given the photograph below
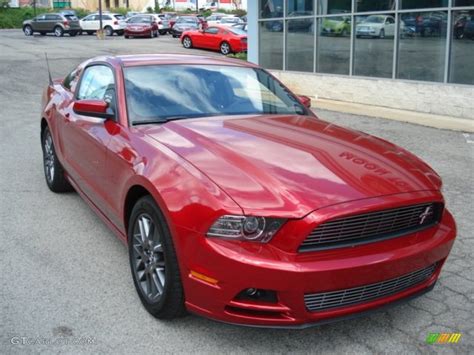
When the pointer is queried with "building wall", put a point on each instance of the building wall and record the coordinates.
(423, 66)
(449, 100)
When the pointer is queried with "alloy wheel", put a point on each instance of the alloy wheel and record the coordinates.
(187, 42)
(148, 258)
(58, 31)
(225, 48)
(28, 31)
(48, 157)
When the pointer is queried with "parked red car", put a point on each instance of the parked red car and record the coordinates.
(219, 38)
(141, 26)
(236, 202)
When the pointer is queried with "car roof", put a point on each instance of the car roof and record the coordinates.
(166, 59)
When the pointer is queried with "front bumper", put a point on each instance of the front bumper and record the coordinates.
(239, 266)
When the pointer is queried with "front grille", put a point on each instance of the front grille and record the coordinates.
(351, 296)
(369, 227)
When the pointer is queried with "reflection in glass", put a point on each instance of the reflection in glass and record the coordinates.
(375, 5)
(334, 45)
(270, 8)
(299, 7)
(300, 45)
(374, 45)
(327, 7)
(422, 46)
(422, 4)
(271, 44)
(462, 48)
(463, 2)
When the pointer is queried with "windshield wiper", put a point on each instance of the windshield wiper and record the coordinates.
(160, 120)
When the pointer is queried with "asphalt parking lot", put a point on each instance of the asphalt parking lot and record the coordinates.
(65, 276)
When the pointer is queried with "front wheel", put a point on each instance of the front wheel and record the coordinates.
(225, 48)
(153, 261)
(28, 30)
(53, 170)
(187, 42)
(382, 34)
(58, 31)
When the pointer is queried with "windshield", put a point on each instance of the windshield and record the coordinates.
(119, 17)
(160, 92)
(230, 20)
(375, 19)
(140, 19)
(186, 20)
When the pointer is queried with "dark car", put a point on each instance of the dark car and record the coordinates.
(464, 27)
(141, 26)
(185, 23)
(59, 24)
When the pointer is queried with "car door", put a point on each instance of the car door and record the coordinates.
(84, 138)
(40, 23)
(210, 37)
(389, 26)
(86, 22)
(50, 22)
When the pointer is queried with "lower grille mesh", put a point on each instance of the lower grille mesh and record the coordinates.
(341, 298)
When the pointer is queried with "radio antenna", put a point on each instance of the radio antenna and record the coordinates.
(49, 70)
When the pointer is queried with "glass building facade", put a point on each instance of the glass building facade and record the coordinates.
(424, 40)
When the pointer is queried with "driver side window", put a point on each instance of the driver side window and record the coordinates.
(212, 30)
(98, 84)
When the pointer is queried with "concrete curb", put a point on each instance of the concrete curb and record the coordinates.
(420, 118)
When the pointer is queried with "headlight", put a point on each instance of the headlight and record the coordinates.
(259, 229)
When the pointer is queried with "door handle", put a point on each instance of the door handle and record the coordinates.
(66, 116)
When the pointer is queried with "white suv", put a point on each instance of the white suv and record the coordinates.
(111, 23)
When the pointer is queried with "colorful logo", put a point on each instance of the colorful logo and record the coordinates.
(443, 338)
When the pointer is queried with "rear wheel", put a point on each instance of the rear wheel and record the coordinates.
(187, 42)
(109, 31)
(53, 170)
(153, 261)
(225, 48)
(90, 33)
(28, 30)
(58, 31)
(72, 33)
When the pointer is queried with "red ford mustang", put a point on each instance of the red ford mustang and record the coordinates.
(219, 38)
(236, 202)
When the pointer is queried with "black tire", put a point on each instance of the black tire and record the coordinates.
(58, 31)
(90, 33)
(109, 31)
(169, 303)
(382, 34)
(162, 32)
(187, 42)
(119, 33)
(43, 33)
(225, 48)
(55, 179)
(126, 37)
(73, 33)
(28, 30)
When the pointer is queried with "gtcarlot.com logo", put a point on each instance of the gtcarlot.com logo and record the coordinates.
(22, 340)
(443, 338)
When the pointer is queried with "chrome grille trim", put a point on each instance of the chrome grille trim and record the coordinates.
(341, 298)
(372, 226)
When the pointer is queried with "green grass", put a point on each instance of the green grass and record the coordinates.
(241, 55)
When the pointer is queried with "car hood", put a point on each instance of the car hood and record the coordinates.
(288, 166)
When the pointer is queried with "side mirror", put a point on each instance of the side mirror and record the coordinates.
(93, 108)
(305, 100)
